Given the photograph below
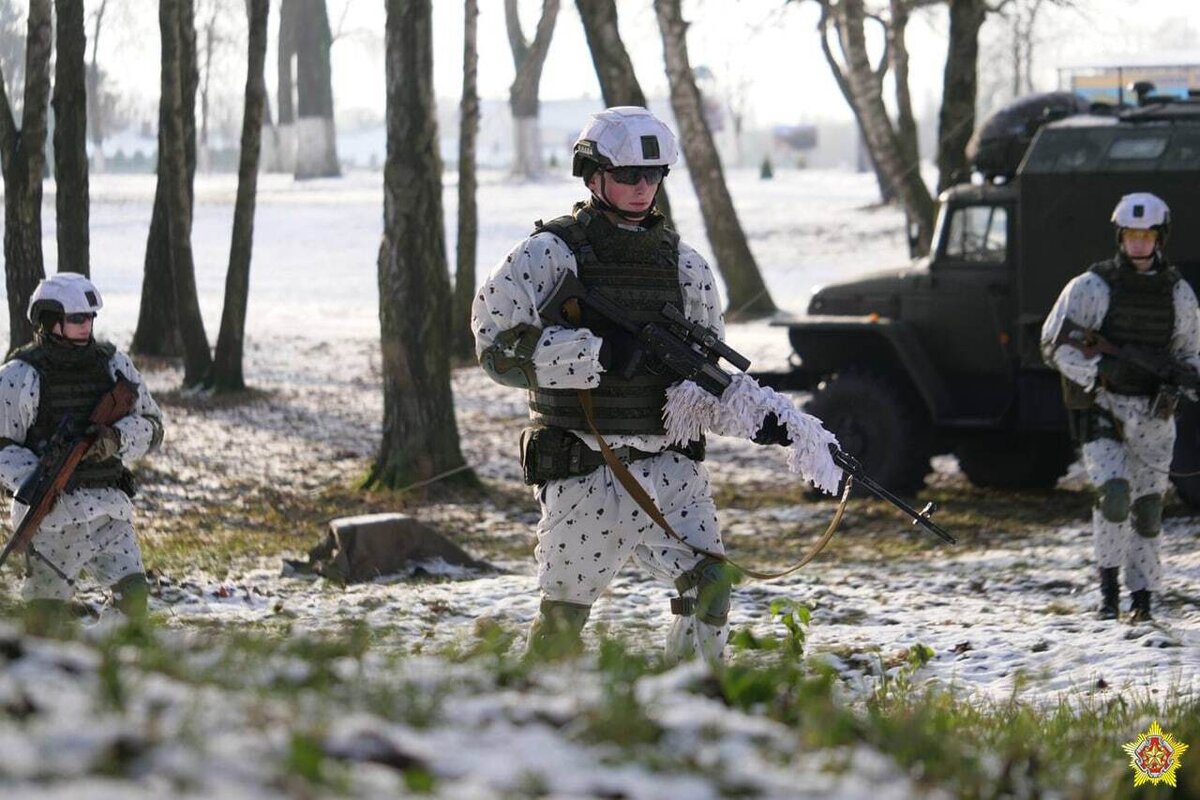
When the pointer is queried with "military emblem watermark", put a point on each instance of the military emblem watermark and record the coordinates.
(1154, 756)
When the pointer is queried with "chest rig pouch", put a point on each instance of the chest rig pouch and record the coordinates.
(1141, 313)
(640, 270)
(72, 380)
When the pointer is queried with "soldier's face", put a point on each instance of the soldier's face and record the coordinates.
(637, 198)
(76, 328)
(1139, 244)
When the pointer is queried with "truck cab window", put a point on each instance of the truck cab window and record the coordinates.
(978, 234)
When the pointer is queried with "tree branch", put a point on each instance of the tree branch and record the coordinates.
(516, 37)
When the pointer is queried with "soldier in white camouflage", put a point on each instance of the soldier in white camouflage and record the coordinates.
(54, 381)
(1122, 414)
(590, 525)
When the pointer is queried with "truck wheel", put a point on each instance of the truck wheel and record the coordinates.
(1187, 454)
(876, 423)
(1015, 461)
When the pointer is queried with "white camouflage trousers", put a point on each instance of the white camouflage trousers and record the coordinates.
(590, 526)
(1143, 459)
(105, 546)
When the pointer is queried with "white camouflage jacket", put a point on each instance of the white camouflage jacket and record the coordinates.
(569, 358)
(141, 431)
(1085, 301)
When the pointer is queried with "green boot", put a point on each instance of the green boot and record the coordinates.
(132, 596)
(45, 617)
(555, 633)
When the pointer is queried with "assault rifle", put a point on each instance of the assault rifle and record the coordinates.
(677, 345)
(1158, 363)
(64, 452)
(692, 351)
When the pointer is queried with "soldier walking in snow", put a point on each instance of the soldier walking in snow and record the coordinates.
(1122, 408)
(51, 386)
(590, 525)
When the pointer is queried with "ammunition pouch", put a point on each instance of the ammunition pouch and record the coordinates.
(552, 453)
(1075, 397)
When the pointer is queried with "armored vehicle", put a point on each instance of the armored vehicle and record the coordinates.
(943, 356)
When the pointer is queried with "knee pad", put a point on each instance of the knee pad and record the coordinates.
(1113, 501)
(132, 595)
(1147, 513)
(713, 581)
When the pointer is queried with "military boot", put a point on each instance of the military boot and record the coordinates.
(1110, 593)
(45, 617)
(1139, 609)
(556, 632)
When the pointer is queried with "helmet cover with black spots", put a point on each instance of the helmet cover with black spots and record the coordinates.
(64, 293)
(624, 136)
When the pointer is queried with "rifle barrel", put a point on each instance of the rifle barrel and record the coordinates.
(846, 462)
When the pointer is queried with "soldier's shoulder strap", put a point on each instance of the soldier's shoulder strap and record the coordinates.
(572, 229)
(1107, 270)
(33, 354)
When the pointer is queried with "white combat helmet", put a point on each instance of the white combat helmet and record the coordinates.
(625, 136)
(1143, 211)
(64, 293)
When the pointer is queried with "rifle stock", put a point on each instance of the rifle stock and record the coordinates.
(52, 477)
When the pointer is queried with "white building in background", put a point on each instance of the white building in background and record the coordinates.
(1109, 79)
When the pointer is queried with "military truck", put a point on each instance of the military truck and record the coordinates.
(942, 355)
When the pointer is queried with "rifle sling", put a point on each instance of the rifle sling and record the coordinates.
(639, 495)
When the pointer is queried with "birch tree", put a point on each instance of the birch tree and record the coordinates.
(529, 57)
(748, 295)
(420, 436)
(22, 161)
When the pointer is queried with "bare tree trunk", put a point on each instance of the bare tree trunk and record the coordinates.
(886, 195)
(420, 436)
(748, 296)
(618, 82)
(95, 117)
(906, 123)
(529, 58)
(210, 32)
(70, 138)
(286, 55)
(866, 92)
(176, 21)
(227, 374)
(462, 343)
(316, 141)
(23, 160)
(158, 330)
(956, 122)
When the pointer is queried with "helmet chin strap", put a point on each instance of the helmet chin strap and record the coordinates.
(604, 204)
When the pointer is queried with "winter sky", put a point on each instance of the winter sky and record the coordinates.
(771, 46)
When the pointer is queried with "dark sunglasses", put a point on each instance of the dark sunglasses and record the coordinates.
(631, 176)
(78, 319)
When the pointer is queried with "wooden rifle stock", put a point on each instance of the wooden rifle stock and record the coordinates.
(116, 404)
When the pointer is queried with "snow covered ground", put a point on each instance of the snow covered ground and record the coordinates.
(1003, 615)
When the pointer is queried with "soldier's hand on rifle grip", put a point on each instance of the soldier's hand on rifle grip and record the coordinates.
(106, 445)
(622, 355)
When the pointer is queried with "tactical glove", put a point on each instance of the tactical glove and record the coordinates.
(621, 354)
(772, 432)
(106, 445)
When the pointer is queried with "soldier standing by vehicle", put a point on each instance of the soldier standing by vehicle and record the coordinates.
(1122, 413)
(51, 386)
(590, 525)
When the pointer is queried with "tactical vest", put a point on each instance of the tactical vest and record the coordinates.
(73, 379)
(639, 269)
(1141, 313)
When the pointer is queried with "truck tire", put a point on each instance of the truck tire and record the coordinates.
(1015, 461)
(876, 422)
(1187, 454)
